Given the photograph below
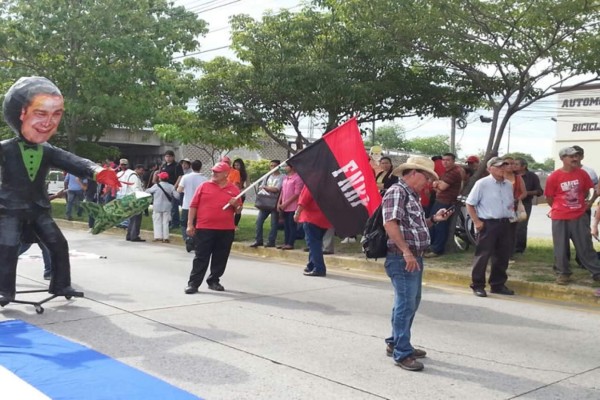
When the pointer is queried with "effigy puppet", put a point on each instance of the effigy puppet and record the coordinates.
(33, 108)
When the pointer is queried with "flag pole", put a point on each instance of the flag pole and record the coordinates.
(259, 180)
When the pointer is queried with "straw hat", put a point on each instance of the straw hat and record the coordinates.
(419, 163)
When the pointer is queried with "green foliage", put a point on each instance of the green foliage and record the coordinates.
(257, 168)
(312, 64)
(547, 165)
(389, 137)
(432, 145)
(510, 53)
(103, 55)
(515, 154)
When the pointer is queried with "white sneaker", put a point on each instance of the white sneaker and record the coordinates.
(351, 240)
(345, 241)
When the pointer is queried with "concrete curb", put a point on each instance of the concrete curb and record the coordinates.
(545, 291)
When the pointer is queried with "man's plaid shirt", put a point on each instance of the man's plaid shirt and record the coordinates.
(410, 216)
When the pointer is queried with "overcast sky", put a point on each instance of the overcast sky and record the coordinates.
(532, 130)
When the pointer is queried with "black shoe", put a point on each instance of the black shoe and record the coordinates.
(503, 290)
(479, 292)
(305, 249)
(191, 289)
(138, 239)
(216, 286)
(67, 291)
(308, 269)
(256, 244)
(4, 300)
(314, 273)
(327, 253)
(47, 277)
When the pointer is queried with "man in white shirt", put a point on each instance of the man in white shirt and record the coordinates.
(188, 185)
(130, 183)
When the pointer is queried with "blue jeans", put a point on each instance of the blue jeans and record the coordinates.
(260, 220)
(184, 221)
(175, 221)
(439, 231)
(407, 296)
(74, 199)
(45, 255)
(289, 228)
(314, 240)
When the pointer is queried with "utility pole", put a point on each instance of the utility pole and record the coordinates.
(508, 144)
(373, 134)
(453, 136)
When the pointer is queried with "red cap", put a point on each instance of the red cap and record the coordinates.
(221, 167)
(163, 176)
(472, 159)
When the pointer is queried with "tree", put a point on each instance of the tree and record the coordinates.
(432, 145)
(527, 157)
(390, 137)
(510, 52)
(103, 55)
(547, 165)
(309, 64)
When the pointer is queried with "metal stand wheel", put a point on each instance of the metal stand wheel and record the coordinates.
(38, 304)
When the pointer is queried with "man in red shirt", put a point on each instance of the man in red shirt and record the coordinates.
(214, 229)
(315, 226)
(447, 189)
(566, 190)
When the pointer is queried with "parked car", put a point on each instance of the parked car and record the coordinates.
(55, 181)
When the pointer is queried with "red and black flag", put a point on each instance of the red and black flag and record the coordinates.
(337, 172)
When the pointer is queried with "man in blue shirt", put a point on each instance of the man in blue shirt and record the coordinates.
(490, 205)
(75, 188)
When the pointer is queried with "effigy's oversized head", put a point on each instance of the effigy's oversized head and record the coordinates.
(33, 108)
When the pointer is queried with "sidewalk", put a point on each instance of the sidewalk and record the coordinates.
(359, 265)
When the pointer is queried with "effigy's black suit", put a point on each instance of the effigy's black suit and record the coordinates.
(25, 211)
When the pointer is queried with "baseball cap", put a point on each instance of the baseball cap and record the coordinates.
(226, 159)
(579, 149)
(124, 161)
(567, 151)
(221, 167)
(163, 176)
(472, 159)
(187, 160)
(496, 162)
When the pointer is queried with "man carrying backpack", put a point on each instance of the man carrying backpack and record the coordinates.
(408, 238)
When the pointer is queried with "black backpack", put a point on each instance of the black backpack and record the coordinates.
(374, 239)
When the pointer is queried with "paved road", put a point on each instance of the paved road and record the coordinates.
(275, 334)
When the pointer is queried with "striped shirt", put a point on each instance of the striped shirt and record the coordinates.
(410, 216)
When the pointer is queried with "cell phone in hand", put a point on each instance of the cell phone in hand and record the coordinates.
(450, 209)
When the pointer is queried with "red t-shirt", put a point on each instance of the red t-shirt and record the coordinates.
(311, 211)
(568, 189)
(209, 200)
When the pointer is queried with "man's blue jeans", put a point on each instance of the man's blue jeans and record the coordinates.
(314, 240)
(439, 231)
(74, 199)
(407, 296)
(260, 220)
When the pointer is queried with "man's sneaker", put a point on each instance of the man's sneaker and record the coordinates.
(563, 279)
(410, 364)
(417, 353)
(256, 244)
(348, 240)
(431, 254)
